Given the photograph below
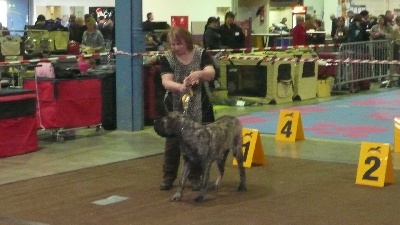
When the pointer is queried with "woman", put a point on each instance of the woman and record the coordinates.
(341, 34)
(356, 33)
(184, 68)
(76, 30)
(382, 30)
(211, 37)
(317, 38)
(92, 39)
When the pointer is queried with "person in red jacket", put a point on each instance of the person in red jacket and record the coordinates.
(299, 35)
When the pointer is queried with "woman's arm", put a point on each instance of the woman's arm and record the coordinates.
(169, 84)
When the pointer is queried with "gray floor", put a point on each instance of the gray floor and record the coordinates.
(90, 149)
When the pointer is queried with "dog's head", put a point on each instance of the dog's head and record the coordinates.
(170, 125)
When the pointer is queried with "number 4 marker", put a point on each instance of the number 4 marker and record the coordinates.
(375, 167)
(290, 127)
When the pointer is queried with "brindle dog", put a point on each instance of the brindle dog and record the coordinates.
(204, 144)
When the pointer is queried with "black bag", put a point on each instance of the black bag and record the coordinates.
(65, 73)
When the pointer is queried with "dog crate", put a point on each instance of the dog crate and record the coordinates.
(306, 75)
(256, 75)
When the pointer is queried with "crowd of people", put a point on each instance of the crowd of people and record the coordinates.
(216, 36)
(364, 27)
(354, 27)
(86, 31)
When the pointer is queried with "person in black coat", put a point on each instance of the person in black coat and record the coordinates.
(364, 24)
(211, 36)
(334, 25)
(232, 35)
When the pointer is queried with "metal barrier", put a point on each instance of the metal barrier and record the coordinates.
(360, 61)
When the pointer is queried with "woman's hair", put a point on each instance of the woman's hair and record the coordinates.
(41, 18)
(180, 34)
(209, 21)
(80, 21)
(91, 21)
(385, 20)
(357, 18)
(318, 22)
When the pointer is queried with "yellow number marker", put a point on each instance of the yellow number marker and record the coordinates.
(252, 148)
(290, 127)
(375, 167)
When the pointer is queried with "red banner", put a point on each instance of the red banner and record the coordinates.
(180, 21)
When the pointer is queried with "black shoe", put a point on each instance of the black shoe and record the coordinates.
(196, 185)
(166, 185)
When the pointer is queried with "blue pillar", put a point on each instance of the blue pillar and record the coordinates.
(129, 38)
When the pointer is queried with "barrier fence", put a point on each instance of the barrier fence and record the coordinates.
(378, 54)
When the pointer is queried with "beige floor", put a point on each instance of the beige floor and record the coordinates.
(90, 149)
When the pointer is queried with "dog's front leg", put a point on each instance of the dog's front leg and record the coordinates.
(178, 195)
(206, 166)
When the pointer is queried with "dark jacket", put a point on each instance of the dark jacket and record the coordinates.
(355, 33)
(76, 32)
(212, 38)
(364, 26)
(231, 36)
(148, 26)
(342, 33)
(334, 27)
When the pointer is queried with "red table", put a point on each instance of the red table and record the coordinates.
(18, 130)
(67, 103)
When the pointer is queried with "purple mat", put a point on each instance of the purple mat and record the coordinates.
(368, 117)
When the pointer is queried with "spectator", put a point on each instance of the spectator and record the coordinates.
(356, 33)
(317, 38)
(185, 67)
(211, 37)
(108, 29)
(71, 20)
(396, 40)
(308, 22)
(364, 24)
(396, 30)
(334, 25)
(382, 30)
(232, 35)
(100, 23)
(373, 20)
(40, 20)
(92, 39)
(148, 28)
(148, 25)
(350, 15)
(389, 17)
(341, 34)
(396, 45)
(76, 30)
(299, 32)
(283, 21)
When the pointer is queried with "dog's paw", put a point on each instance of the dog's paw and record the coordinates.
(176, 197)
(200, 198)
(242, 188)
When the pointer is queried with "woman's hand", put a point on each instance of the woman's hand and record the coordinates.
(183, 88)
(193, 78)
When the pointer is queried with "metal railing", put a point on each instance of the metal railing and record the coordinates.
(361, 61)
